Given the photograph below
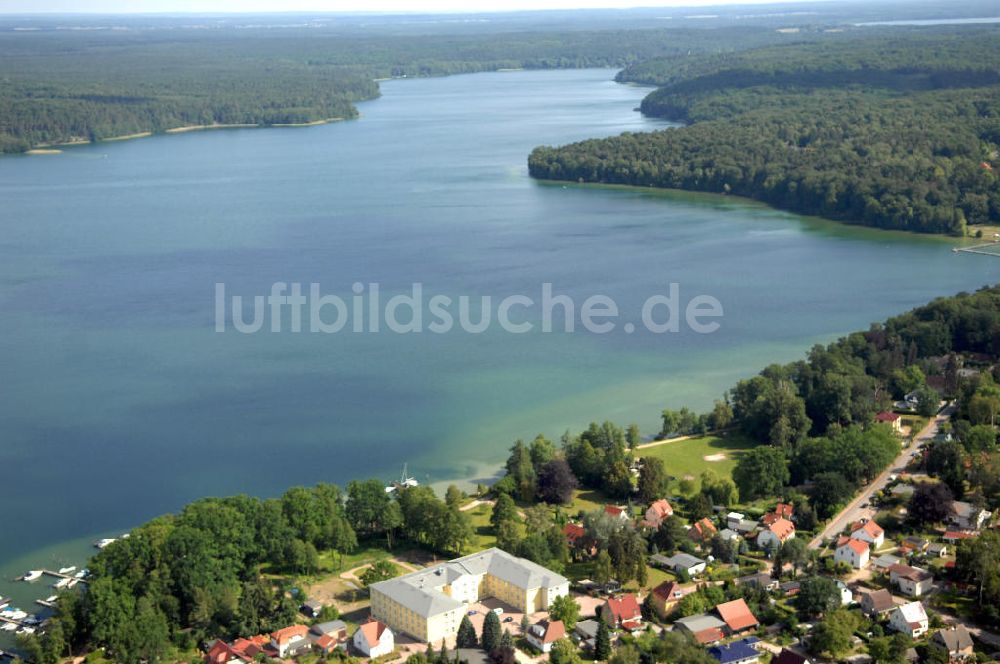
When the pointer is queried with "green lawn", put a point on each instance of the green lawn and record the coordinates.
(482, 531)
(687, 457)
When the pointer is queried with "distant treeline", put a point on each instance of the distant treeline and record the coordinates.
(899, 134)
(64, 86)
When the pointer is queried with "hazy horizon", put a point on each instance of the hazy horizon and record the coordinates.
(371, 7)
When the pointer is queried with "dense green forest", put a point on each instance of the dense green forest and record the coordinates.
(58, 86)
(898, 134)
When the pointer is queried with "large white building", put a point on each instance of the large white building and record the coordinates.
(910, 619)
(429, 604)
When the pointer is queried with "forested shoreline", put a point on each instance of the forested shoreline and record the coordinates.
(898, 134)
(71, 86)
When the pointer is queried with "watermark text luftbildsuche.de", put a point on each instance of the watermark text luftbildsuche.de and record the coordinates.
(297, 307)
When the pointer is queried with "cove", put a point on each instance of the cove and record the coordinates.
(119, 401)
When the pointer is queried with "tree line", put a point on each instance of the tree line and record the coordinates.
(899, 136)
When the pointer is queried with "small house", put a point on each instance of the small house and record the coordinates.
(910, 619)
(877, 603)
(668, 594)
(290, 641)
(374, 639)
(957, 641)
(657, 512)
(743, 651)
(965, 516)
(737, 616)
(776, 534)
(702, 531)
(911, 581)
(682, 563)
(543, 634)
(891, 419)
(852, 551)
(870, 532)
(622, 612)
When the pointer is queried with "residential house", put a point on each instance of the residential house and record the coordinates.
(937, 550)
(729, 535)
(914, 544)
(964, 516)
(223, 653)
(737, 616)
(616, 512)
(743, 651)
(776, 534)
(911, 581)
(290, 641)
(622, 612)
(702, 531)
(576, 539)
(846, 596)
(682, 563)
(430, 603)
(656, 513)
(892, 419)
(885, 561)
(329, 636)
(760, 579)
(253, 646)
(910, 619)
(869, 531)
(957, 641)
(787, 656)
(784, 510)
(955, 536)
(733, 519)
(877, 603)
(374, 639)
(746, 527)
(703, 627)
(668, 594)
(790, 588)
(852, 551)
(585, 633)
(543, 634)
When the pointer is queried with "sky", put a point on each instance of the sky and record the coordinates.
(253, 6)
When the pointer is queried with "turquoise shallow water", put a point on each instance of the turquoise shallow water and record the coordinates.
(119, 402)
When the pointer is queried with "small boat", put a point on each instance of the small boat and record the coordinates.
(8, 627)
(100, 544)
(72, 583)
(33, 575)
(26, 630)
(67, 570)
(82, 573)
(61, 583)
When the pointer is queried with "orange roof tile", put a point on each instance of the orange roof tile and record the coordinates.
(737, 615)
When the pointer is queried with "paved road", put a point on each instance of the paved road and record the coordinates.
(853, 512)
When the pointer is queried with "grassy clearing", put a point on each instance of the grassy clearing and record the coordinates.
(482, 531)
(688, 457)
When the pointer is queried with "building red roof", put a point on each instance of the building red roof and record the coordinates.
(372, 632)
(737, 615)
(770, 518)
(552, 631)
(222, 653)
(782, 529)
(613, 510)
(326, 642)
(668, 590)
(662, 508)
(859, 547)
(886, 416)
(624, 608)
(958, 534)
(871, 529)
(702, 530)
(286, 634)
(710, 635)
(573, 532)
(785, 510)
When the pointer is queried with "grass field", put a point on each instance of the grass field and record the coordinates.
(690, 457)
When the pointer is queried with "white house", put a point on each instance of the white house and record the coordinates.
(910, 619)
(733, 519)
(869, 532)
(374, 639)
(544, 634)
(967, 517)
(846, 596)
(683, 562)
(852, 551)
(776, 534)
(289, 640)
(911, 581)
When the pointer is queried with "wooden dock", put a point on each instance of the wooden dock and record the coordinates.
(60, 575)
(982, 250)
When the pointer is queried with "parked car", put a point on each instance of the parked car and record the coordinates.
(508, 619)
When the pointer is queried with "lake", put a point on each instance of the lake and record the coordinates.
(120, 401)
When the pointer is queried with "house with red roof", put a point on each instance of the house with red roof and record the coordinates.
(223, 653)
(668, 594)
(291, 640)
(868, 531)
(702, 531)
(622, 612)
(545, 633)
(374, 639)
(784, 510)
(616, 512)
(657, 512)
(737, 616)
(852, 551)
(776, 534)
(892, 419)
